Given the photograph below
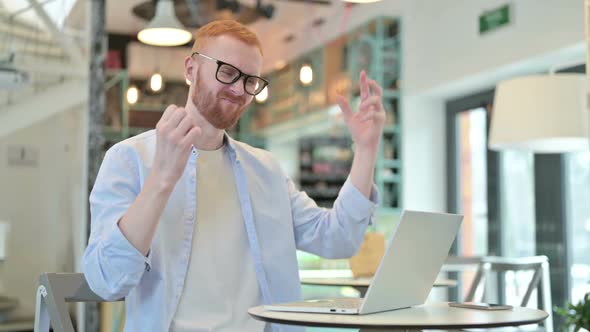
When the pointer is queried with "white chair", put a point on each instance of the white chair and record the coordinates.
(54, 292)
(458, 268)
(540, 280)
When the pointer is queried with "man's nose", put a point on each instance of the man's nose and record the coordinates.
(237, 88)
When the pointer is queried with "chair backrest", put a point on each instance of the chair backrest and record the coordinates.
(54, 292)
(540, 280)
(461, 263)
(462, 269)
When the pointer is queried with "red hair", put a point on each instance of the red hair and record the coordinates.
(225, 27)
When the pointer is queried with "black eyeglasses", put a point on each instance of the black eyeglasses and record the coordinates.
(228, 74)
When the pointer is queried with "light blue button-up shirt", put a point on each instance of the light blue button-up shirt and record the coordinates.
(278, 219)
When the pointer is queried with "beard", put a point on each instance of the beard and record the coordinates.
(220, 113)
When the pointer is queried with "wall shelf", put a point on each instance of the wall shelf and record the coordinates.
(324, 164)
(378, 49)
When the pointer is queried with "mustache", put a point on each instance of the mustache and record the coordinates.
(239, 100)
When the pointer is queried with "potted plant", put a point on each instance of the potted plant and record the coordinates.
(576, 316)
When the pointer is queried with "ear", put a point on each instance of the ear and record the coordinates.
(190, 67)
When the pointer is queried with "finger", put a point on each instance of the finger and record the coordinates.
(344, 107)
(370, 103)
(185, 125)
(364, 85)
(177, 117)
(375, 88)
(168, 112)
(192, 135)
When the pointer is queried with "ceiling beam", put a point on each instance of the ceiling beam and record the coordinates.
(65, 41)
(31, 110)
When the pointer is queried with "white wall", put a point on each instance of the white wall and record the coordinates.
(445, 57)
(44, 204)
(443, 45)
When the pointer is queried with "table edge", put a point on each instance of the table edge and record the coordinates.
(404, 326)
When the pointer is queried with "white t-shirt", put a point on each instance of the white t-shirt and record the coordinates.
(221, 282)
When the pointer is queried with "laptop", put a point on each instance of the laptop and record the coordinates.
(416, 251)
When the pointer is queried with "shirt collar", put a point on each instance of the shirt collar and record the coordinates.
(231, 145)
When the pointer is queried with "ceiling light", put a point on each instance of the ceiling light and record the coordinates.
(132, 94)
(263, 95)
(541, 113)
(156, 82)
(306, 74)
(164, 29)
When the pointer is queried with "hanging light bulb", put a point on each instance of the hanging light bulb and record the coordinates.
(132, 94)
(306, 74)
(156, 82)
(164, 29)
(263, 95)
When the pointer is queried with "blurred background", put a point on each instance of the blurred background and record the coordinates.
(77, 76)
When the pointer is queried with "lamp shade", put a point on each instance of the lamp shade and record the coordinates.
(164, 29)
(542, 114)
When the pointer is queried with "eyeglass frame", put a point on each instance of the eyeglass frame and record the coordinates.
(221, 63)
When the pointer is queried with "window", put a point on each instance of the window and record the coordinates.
(518, 203)
(472, 181)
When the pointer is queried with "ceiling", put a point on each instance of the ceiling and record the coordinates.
(288, 14)
(57, 10)
(290, 18)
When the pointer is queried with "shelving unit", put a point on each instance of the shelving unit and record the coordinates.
(324, 164)
(377, 48)
(288, 99)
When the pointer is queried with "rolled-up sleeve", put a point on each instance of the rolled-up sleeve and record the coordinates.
(336, 232)
(111, 264)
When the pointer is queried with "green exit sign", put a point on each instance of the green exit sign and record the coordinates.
(494, 19)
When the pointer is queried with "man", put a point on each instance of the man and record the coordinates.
(193, 227)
